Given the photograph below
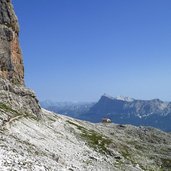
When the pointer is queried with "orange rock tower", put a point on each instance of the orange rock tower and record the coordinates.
(11, 62)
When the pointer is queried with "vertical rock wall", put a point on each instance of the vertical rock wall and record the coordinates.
(11, 62)
(13, 93)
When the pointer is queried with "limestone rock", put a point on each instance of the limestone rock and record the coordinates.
(13, 94)
(11, 62)
(19, 98)
(57, 142)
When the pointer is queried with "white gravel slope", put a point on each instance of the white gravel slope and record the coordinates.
(54, 144)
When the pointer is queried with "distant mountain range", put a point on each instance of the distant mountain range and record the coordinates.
(73, 109)
(121, 110)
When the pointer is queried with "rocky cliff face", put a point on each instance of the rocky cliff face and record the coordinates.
(11, 63)
(12, 90)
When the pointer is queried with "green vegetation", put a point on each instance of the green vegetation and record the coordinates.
(6, 108)
(166, 163)
(76, 125)
(94, 139)
(97, 141)
(126, 153)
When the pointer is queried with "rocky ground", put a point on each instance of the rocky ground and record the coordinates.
(57, 142)
(33, 139)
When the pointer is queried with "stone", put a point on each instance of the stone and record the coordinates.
(13, 93)
(19, 98)
(11, 62)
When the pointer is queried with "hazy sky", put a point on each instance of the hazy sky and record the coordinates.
(77, 50)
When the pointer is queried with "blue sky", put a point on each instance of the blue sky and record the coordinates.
(77, 50)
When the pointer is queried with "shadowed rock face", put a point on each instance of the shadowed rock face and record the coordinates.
(11, 63)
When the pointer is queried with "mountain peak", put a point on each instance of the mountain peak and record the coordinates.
(107, 96)
(124, 98)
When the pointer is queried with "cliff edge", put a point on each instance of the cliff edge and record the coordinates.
(12, 90)
(11, 62)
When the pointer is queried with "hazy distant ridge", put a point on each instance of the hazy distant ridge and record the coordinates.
(154, 112)
(123, 110)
